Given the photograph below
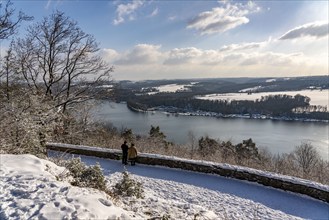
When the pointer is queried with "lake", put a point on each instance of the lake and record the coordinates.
(277, 136)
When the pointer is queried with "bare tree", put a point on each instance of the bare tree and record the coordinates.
(7, 71)
(9, 25)
(26, 63)
(306, 157)
(192, 142)
(63, 59)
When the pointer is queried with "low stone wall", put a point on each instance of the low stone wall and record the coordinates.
(296, 185)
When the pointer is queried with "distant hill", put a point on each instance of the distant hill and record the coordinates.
(225, 85)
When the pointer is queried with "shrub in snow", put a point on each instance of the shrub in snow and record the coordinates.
(128, 187)
(246, 150)
(84, 176)
(156, 133)
(166, 217)
(93, 177)
(127, 134)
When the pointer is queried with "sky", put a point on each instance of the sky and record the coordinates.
(171, 39)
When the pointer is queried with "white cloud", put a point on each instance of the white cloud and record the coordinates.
(48, 4)
(172, 18)
(245, 54)
(141, 54)
(230, 57)
(182, 56)
(125, 11)
(272, 59)
(154, 12)
(221, 19)
(145, 61)
(315, 29)
(110, 55)
(192, 55)
(243, 46)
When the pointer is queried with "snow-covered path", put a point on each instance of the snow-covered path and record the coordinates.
(235, 191)
(30, 190)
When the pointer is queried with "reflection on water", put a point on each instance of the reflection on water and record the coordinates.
(277, 136)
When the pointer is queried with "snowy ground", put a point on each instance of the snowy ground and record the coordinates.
(30, 191)
(318, 97)
(171, 88)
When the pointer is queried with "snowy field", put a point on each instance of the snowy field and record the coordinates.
(30, 191)
(172, 88)
(317, 97)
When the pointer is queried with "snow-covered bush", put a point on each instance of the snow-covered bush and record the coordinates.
(128, 187)
(91, 176)
(82, 175)
(27, 119)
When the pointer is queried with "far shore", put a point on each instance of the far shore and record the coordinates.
(171, 111)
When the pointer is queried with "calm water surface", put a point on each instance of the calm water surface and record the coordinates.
(277, 136)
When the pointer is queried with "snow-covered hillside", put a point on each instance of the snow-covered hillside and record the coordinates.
(29, 190)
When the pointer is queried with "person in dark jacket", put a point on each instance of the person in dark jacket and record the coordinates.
(124, 148)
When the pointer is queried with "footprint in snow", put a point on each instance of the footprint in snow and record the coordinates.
(64, 189)
(105, 202)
